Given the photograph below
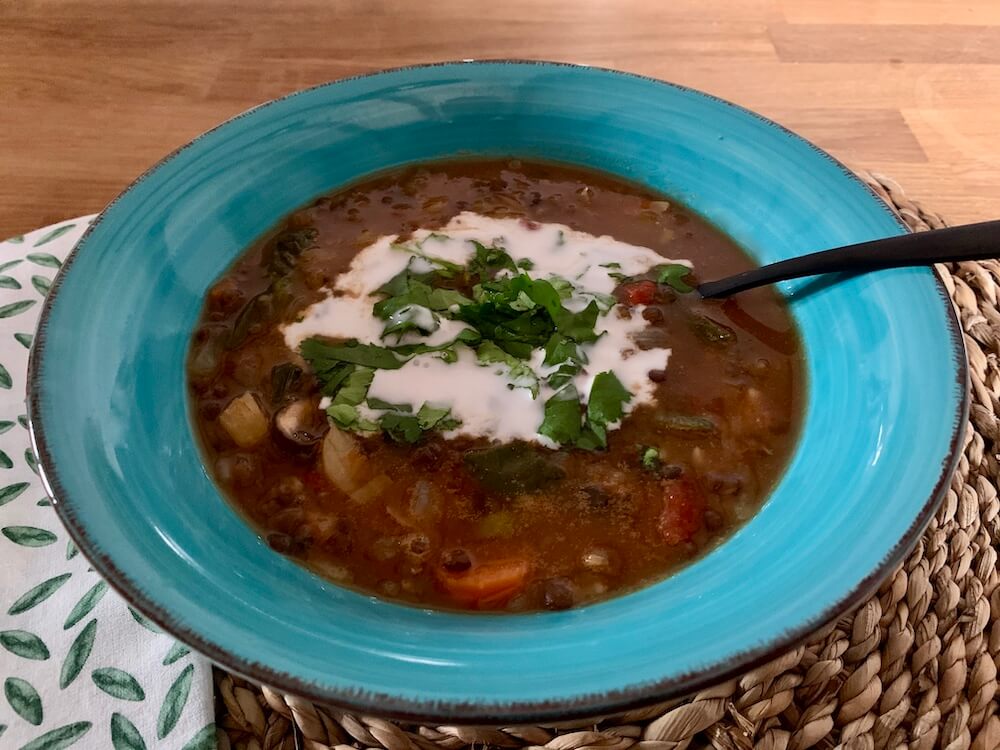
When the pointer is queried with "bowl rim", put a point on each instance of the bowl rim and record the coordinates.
(522, 712)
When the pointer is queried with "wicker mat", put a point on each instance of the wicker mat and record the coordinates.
(915, 667)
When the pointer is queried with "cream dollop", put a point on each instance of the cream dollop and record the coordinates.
(483, 397)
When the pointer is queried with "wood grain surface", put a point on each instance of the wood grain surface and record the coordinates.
(94, 91)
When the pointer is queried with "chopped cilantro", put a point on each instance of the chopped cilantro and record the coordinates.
(430, 417)
(561, 349)
(443, 267)
(355, 387)
(523, 302)
(403, 428)
(562, 287)
(488, 261)
(607, 399)
(604, 301)
(351, 392)
(466, 336)
(324, 356)
(521, 375)
(711, 331)
(563, 375)
(562, 416)
(605, 405)
(510, 316)
(409, 428)
(377, 403)
(673, 274)
(649, 457)
(411, 292)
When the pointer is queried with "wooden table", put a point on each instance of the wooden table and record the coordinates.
(94, 91)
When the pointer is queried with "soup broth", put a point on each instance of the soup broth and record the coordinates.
(490, 385)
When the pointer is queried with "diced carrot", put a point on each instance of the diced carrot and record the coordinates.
(637, 292)
(683, 510)
(487, 585)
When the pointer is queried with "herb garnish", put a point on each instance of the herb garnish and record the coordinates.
(673, 275)
(509, 315)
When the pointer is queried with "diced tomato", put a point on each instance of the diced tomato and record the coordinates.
(683, 510)
(637, 292)
(487, 585)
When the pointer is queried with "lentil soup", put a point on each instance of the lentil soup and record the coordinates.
(490, 385)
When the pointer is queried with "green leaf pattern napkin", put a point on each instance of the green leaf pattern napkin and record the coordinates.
(79, 667)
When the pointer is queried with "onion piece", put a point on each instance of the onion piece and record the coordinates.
(343, 463)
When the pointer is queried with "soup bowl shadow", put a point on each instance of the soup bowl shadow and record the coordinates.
(884, 416)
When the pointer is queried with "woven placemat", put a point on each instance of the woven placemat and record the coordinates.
(914, 667)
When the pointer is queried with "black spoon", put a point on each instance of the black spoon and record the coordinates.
(969, 242)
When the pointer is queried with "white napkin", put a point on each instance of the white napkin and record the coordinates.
(79, 667)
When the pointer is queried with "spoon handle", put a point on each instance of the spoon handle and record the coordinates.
(967, 242)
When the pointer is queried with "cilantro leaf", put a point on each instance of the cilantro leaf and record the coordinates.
(323, 356)
(444, 267)
(607, 399)
(430, 417)
(562, 416)
(403, 428)
(399, 283)
(352, 391)
(673, 274)
(604, 301)
(521, 375)
(409, 428)
(347, 417)
(561, 349)
(593, 436)
(415, 293)
(355, 387)
(488, 261)
(649, 457)
(466, 336)
(711, 331)
(563, 375)
(579, 326)
(605, 405)
(563, 288)
(377, 403)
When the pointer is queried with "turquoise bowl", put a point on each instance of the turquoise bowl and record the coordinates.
(109, 412)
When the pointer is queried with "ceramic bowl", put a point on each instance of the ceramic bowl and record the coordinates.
(885, 410)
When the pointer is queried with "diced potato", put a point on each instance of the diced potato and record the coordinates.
(245, 421)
